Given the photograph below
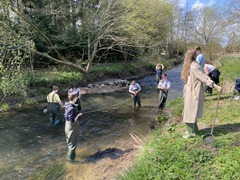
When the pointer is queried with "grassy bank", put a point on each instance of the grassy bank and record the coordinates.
(168, 156)
(40, 82)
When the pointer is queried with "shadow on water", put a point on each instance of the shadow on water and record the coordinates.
(30, 146)
(112, 153)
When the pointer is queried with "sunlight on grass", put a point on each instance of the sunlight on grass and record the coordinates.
(169, 156)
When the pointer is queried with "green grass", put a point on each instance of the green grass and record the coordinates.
(230, 68)
(169, 156)
(54, 77)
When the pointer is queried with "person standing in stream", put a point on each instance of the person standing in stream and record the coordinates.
(71, 125)
(159, 71)
(134, 89)
(163, 86)
(54, 104)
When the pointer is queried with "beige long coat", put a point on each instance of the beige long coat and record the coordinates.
(193, 93)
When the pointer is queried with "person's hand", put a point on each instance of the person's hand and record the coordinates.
(80, 114)
(218, 88)
(76, 118)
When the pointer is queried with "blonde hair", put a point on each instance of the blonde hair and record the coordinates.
(189, 57)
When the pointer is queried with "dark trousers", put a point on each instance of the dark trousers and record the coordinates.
(78, 102)
(158, 78)
(54, 113)
(136, 100)
(214, 75)
(162, 98)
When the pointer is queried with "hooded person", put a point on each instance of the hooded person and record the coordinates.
(71, 126)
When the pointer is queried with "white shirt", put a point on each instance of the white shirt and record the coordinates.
(164, 84)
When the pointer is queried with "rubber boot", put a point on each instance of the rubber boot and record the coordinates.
(71, 157)
(191, 131)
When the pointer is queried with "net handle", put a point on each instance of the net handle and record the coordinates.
(215, 114)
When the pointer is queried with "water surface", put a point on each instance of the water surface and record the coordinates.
(31, 148)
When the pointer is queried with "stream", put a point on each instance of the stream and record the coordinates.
(32, 149)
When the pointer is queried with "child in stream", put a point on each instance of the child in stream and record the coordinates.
(159, 70)
(71, 125)
(163, 86)
(134, 89)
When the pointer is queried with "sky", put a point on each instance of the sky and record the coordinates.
(198, 4)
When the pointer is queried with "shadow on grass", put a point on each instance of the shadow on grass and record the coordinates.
(112, 153)
(214, 98)
(222, 129)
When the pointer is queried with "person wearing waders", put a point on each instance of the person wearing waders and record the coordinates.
(159, 70)
(193, 92)
(134, 89)
(71, 125)
(163, 86)
(74, 89)
(54, 104)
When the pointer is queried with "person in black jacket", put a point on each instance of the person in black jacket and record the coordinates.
(236, 89)
(71, 125)
(213, 73)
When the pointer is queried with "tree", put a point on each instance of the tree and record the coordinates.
(15, 46)
(209, 27)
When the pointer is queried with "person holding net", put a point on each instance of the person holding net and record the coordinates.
(193, 93)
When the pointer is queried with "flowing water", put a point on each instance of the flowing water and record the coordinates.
(32, 149)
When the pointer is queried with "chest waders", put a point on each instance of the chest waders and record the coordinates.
(158, 77)
(72, 133)
(162, 98)
(54, 112)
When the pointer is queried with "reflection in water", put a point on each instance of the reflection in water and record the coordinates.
(29, 144)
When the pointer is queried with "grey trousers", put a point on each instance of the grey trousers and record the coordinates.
(72, 134)
(162, 99)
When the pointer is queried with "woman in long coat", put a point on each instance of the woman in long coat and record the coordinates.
(193, 93)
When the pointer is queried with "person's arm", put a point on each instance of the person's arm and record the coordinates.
(58, 100)
(168, 85)
(130, 89)
(79, 93)
(76, 118)
(139, 88)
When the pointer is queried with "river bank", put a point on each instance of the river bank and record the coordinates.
(106, 145)
(169, 156)
(99, 81)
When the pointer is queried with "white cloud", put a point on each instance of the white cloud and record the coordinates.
(182, 3)
(199, 5)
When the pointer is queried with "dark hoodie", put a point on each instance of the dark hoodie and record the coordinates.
(237, 85)
(70, 112)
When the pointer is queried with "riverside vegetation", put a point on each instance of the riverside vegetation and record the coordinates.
(168, 156)
(40, 82)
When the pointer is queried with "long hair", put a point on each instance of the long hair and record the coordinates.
(189, 57)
